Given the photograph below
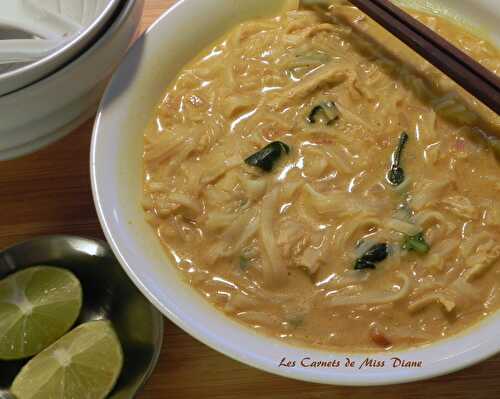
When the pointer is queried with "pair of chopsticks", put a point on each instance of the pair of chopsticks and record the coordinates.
(468, 73)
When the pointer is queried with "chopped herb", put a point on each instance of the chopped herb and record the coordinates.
(328, 108)
(244, 262)
(376, 254)
(267, 156)
(396, 175)
(416, 243)
(362, 264)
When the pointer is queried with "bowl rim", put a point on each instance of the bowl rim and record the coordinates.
(89, 35)
(30, 139)
(117, 20)
(111, 229)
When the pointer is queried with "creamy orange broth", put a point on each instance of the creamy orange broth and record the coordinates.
(277, 250)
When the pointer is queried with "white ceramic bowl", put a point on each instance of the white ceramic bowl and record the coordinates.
(47, 110)
(116, 168)
(82, 21)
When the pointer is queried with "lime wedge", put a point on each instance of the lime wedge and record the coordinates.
(83, 364)
(37, 306)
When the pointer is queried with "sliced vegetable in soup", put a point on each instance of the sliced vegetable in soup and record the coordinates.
(317, 180)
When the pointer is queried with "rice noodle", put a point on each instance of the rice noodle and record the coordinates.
(371, 298)
(274, 267)
(403, 227)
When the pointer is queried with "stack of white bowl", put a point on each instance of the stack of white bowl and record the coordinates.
(55, 59)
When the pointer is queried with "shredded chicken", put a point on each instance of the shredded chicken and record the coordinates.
(328, 74)
(291, 237)
(446, 302)
(485, 257)
(461, 206)
(310, 259)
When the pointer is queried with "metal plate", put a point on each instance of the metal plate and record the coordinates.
(107, 294)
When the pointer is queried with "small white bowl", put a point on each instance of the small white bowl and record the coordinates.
(40, 23)
(47, 110)
(116, 171)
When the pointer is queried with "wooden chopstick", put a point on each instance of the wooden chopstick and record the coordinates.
(468, 73)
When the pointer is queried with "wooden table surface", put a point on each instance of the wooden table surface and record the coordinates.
(49, 192)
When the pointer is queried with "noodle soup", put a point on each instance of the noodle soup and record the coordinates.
(318, 181)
